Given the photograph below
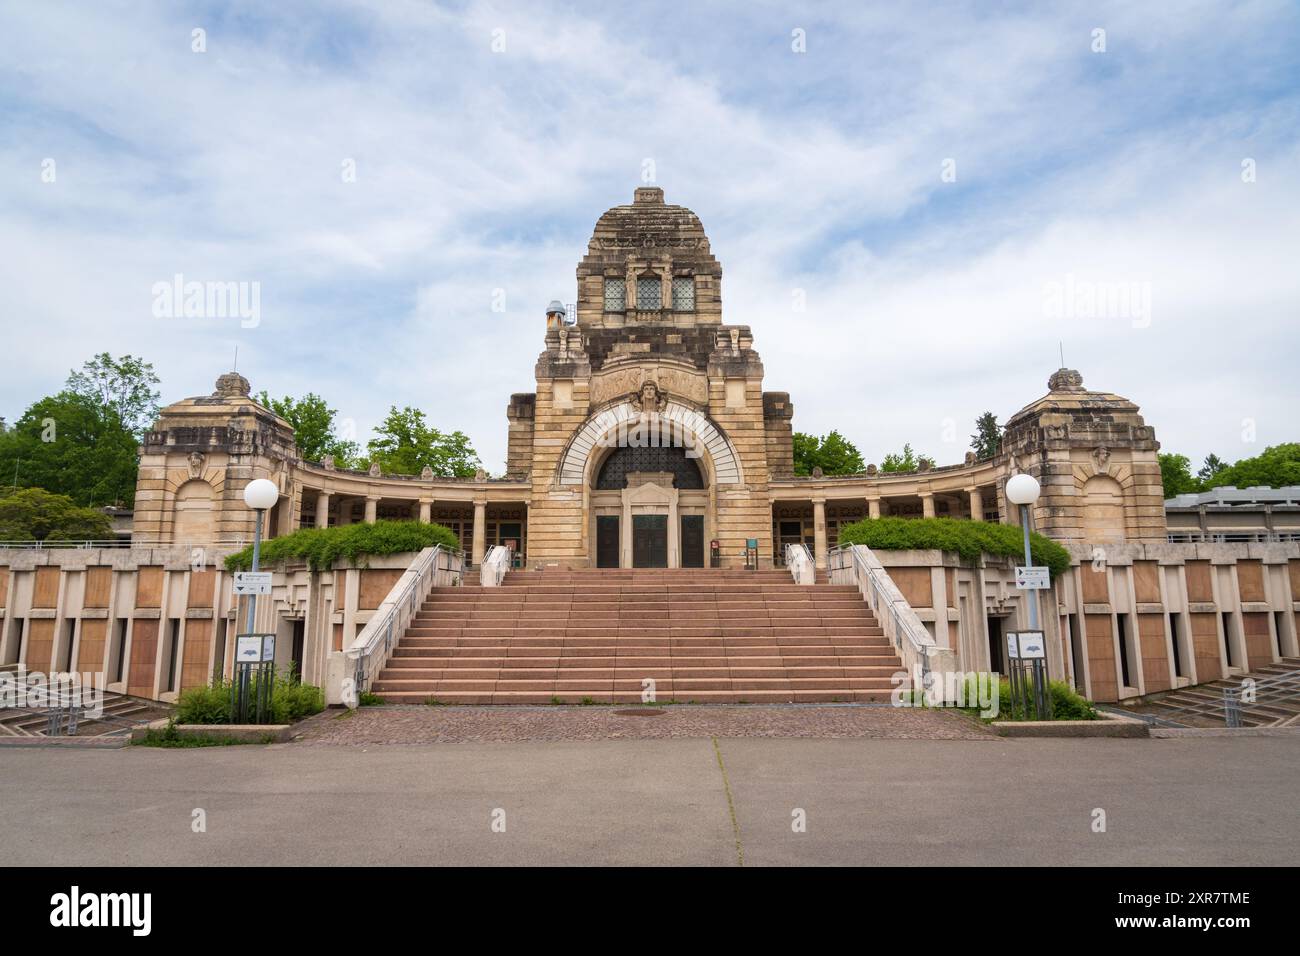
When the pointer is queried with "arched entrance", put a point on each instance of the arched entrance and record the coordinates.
(649, 505)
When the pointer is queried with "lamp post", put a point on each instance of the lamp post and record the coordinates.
(1022, 489)
(260, 495)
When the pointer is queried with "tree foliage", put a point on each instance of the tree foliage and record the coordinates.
(33, 514)
(833, 454)
(1276, 467)
(405, 443)
(906, 461)
(1176, 475)
(987, 440)
(123, 387)
(315, 428)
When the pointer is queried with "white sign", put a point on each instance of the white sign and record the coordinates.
(254, 648)
(252, 582)
(1013, 646)
(248, 649)
(1033, 579)
(1032, 646)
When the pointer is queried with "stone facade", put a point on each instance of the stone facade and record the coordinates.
(645, 377)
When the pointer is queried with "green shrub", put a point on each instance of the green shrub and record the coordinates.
(204, 705)
(290, 701)
(969, 539)
(369, 699)
(321, 547)
(1067, 704)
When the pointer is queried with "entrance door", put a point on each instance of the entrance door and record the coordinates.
(692, 541)
(997, 646)
(606, 541)
(649, 541)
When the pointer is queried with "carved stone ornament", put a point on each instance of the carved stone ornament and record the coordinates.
(233, 385)
(649, 400)
(1101, 459)
(374, 469)
(872, 470)
(970, 458)
(1065, 379)
(480, 474)
(817, 472)
(426, 472)
(196, 464)
(735, 340)
(1056, 432)
(327, 462)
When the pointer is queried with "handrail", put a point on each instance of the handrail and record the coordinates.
(369, 652)
(800, 562)
(1231, 703)
(122, 543)
(495, 565)
(856, 564)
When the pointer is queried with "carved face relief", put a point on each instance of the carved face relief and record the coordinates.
(196, 464)
(1101, 459)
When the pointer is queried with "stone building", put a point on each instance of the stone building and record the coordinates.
(649, 440)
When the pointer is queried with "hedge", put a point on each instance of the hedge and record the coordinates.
(321, 547)
(290, 701)
(970, 539)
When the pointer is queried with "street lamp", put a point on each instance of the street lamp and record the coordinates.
(1022, 489)
(261, 495)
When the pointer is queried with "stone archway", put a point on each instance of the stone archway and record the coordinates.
(1101, 515)
(193, 517)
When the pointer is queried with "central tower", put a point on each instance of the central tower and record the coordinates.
(647, 439)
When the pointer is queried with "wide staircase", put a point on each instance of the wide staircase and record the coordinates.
(1277, 703)
(597, 636)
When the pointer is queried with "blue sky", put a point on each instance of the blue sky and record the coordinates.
(816, 173)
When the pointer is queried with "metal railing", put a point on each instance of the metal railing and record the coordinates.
(800, 562)
(1231, 537)
(1231, 704)
(495, 565)
(916, 647)
(122, 543)
(367, 655)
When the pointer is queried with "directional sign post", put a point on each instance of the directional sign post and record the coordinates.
(252, 582)
(1028, 665)
(1033, 578)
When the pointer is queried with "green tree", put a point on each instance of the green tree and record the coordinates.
(987, 440)
(68, 444)
(906, 461)
(33, 514)
(124, 387)
(405, 443)
(1213, 465)
(1176, 475)
(315, 430)
(833, 454)
(1276, 467)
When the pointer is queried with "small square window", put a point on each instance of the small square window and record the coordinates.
(684, 293)
(615, 295)
(649, 293)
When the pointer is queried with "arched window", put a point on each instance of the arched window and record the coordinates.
(672, 459)
(1102, 514)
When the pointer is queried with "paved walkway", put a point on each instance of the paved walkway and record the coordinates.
(719, 801)
(418, 724)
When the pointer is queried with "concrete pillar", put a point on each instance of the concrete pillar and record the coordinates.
(480, 532)
(819, 532)
(927, 504)
(372, 508)
(873, 507)
(426, 511)
(976, 505)
(323, 510)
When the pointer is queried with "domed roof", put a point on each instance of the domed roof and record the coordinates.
(1066, 395)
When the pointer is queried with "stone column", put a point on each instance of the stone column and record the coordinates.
(372, 508)
(323, 510)
(480, 532)
(873, 507)
(819, 532)
(976, 504)
(426, 510)
(927, 504)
